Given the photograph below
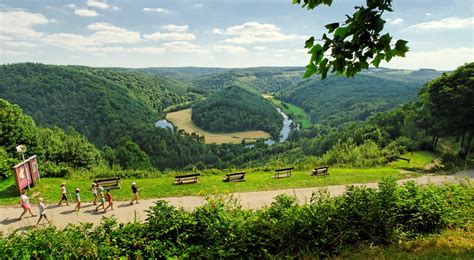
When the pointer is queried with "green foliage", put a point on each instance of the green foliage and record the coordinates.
(6, 163)
(129, 155)
(221, 229)
(235, 109)
(346, 153)
(448, 104)
(355, 43)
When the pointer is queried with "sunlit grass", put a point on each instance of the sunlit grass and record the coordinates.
(163, 186)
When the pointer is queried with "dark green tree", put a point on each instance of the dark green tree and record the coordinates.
(450, 100)
(129, 155)
(349, 47)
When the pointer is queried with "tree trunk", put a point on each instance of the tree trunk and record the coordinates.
(462, 139)
(466, 148)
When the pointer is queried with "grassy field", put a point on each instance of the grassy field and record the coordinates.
(294, 111)
(163, 186)
(182, 120)
(450, 244)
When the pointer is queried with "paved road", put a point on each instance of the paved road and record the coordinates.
(124, 212)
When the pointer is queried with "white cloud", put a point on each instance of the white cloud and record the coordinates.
(260, 47)
(107, 33)
(72, 6)
(21, 23)
(68, 40)
(85, 12)
(175, 28)
(101, 4)
(428, 14)
(231, 49)
(444, 59)
(156, 10)
(147, 50)
(198, 5)
(5, 38)
(98, 4)
(282, 51)
(396, 21)
(11, 53)
(20, 44)
(252, 32)
(446, 23)
(104, 34)
(182, 46)
(172, 36)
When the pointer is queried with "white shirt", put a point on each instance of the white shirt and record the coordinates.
(63, 190)
(42, 208)
(24, 199)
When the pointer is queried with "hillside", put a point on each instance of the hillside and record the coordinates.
(339, 100)
(236, 109)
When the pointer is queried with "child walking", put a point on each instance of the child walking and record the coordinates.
(102, 199)
(42, 211)
(94, 192)
(25, 204)
(109, 200)
(63, 194)
(78, 200)
(135, 193)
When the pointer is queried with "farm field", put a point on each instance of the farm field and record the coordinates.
(209, 183)
(182, 120)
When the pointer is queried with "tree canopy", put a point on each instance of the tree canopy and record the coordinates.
(351, 46)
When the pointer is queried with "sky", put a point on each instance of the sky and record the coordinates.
(217, 33)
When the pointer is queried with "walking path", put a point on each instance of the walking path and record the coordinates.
(124, 212)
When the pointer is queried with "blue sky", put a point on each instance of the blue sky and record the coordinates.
(217, 33)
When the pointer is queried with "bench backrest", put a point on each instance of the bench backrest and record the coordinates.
(321, 168)
(284, 169)
(187, 175)
(109, 180)
(235, 173)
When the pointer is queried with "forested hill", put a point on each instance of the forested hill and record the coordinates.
(236, 109)
(337, 100)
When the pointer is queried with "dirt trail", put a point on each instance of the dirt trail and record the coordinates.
(124, 212)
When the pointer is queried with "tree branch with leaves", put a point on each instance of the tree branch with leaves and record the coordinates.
(349, 47)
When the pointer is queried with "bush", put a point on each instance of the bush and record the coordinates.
(221, 229)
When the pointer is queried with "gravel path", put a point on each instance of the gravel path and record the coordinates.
(124, 212)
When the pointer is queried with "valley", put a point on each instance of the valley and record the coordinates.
(182, 119)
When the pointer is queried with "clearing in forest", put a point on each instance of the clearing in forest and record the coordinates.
(182, 120)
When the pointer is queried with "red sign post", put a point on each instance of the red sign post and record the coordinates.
(26, 173)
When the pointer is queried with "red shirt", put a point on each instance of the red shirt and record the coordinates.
(109, 197)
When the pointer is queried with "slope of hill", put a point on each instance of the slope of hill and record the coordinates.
(338, 100)
(236, 109)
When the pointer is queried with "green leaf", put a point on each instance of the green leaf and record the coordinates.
(310, 70)
(341, 32)
(317, 53)
(378, 59)
(401, 48)
(331, 27)
(323, 69)
(309, 43)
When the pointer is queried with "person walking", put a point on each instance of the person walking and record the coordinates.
(109, 200)
(135, 193)
(63, 195)
(25, 204)
(94, 192)
(42, 211)
(78, 200)
(102, 199)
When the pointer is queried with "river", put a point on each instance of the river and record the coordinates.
(284, 133)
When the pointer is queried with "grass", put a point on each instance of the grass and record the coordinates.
(163, 186)
(294, 111)
(450, 244)
(182, 120)
(418, 160)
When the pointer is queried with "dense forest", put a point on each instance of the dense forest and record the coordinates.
(113, 111)
(235, 109)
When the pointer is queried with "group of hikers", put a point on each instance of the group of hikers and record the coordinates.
(97, 192)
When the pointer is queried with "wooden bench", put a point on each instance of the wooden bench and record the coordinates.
(394, 158)
(320, 171)
(237, 176)
(188, 178)
(109, 183)
(282, 173)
